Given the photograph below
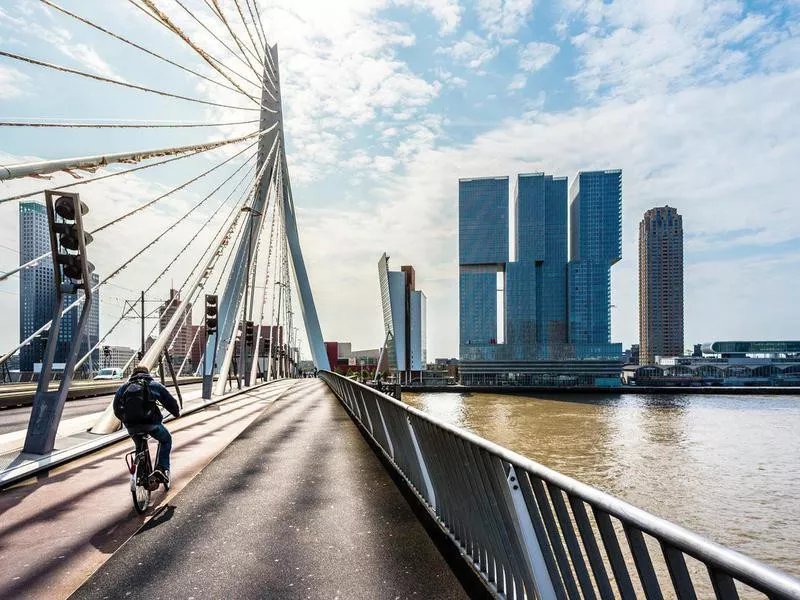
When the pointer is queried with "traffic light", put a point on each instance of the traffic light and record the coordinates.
(248, 333)
(211, 314)
(69, 238)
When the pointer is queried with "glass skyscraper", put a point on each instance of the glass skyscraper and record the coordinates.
(482, 256)
(595, 245)
(38, 295)
(536, 282)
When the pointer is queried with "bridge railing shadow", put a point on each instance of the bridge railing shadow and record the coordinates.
(531, 532)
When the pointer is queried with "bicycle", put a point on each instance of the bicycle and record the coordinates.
(140, 465)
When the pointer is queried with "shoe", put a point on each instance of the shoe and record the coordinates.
(162, 474)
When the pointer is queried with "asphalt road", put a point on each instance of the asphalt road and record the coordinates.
(14, 419)
(297, 506)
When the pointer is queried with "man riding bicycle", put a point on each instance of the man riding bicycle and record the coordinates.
(135, 405)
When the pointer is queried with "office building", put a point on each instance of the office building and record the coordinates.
(117, 357)
(404, 315)
(483, 242)
(660, 284)
(530, 316)
(536, 281)
(181, 341)
(595, 246)
(38, 297)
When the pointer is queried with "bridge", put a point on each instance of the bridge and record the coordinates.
(283, 486)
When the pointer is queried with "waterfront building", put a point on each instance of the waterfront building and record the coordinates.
(660, 284)
(731, 363)
(38, 297)
(404, 318)
(595, 246)
(483, 242)
(536, 280)
(516, 307)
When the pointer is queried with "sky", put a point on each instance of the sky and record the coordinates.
(387, 103)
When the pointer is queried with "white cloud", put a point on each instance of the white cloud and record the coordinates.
(447, 12)
(503, 18)
(86, 56)
(536, 55)
(634, 48)
(518, 83)
(13, 83)
(471, 50)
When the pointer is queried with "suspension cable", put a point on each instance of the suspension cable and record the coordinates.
(170, 263)
(33, 262)
(217, 10)
(262, 39)
(216, 37)
(133, 44)
(242, 47)
(133, 86)
(85, 163)
(116, 272)
(73, 124)
(162, 18)
(100, 177)
(247, 29)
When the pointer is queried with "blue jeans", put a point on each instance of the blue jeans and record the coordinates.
(161, 435)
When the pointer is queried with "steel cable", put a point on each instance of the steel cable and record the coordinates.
(133, 44)
(75, 125)
(172, 261)
(133, 86)
(116, 272)
(35, 261)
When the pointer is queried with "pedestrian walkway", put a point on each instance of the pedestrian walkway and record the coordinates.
(297, 506)
(57, 529)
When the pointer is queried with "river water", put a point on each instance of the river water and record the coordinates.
(726, 467)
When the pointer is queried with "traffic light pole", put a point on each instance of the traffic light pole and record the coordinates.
(70, 273)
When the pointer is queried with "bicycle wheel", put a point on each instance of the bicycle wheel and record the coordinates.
(139, 484)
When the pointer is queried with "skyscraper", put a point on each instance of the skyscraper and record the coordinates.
(595, 245)
(536, 282)
(38, 295)
(660, 284)
(482, 256)
(404, 314)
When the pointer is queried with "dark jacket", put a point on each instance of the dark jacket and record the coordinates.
(157, 391)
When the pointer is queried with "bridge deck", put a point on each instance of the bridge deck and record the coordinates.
(57, 529)
(296, 506)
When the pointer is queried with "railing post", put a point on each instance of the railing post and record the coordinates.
(533, 552)
(422, 466)
(385, 429)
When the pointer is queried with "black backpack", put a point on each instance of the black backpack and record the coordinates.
(136, 405)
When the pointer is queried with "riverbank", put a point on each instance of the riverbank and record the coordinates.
(623, 389)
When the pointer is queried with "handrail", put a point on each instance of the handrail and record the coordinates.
(509, 516)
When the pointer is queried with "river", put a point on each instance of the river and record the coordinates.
(726, 467)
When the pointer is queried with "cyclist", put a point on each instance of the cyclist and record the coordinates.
(135, 405)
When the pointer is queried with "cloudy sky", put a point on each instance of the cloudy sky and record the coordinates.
(389, 102)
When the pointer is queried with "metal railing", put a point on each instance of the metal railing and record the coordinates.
(532, 532)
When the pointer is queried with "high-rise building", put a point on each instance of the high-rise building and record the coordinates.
(536, 282)
(482, 255)
(595, 245)
(181, 340)
(38, 296)
(660, 284)
(404, 313)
